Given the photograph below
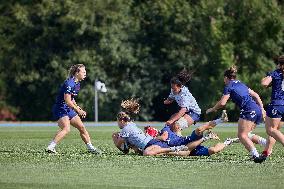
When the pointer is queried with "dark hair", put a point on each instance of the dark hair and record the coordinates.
(75, 69)
(280, 60)
(130, 108)
(182, 77)
(231, 73)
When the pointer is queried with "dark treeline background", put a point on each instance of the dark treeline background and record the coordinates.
(135, 47)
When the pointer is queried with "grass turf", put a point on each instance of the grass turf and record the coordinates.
(24, 164)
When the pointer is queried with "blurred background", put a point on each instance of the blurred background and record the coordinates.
(134, 47)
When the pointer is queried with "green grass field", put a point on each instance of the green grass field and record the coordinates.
(24, 164)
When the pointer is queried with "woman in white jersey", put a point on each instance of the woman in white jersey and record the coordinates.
(189, 108)
(131, 135)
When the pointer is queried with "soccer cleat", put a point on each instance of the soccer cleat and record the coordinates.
(229, 141)
(179, 148)
(51, 150)
(210, 135)
(259, 159)
(224, 116)
(95, 151)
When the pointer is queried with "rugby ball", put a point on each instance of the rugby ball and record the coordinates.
(124, 148)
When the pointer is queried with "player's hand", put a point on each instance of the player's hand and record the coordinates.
(82, 113)
(263, 114)
(210, 110)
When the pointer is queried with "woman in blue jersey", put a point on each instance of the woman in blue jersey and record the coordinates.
(275, 110)
(250, 105)
(67, 112)
(133, 136)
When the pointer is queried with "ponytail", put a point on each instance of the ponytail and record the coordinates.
(231, 73)
(75, 69)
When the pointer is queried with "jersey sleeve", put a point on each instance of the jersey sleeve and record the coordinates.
(124, 133)
(271, 74)
(67, 88)
(227, 90)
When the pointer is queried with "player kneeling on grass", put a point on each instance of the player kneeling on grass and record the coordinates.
(172, 135)
(133, 136)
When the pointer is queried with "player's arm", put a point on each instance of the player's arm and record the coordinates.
(220, 104)
(258, 101)
(266, 81)
(176, 116)
(168, 101)
(117, 140)
(71, 104)
(164, 136)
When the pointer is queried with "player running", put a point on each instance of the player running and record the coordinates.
(67, 112)
(251, 108)
(275, 110)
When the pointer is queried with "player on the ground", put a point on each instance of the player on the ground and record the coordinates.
(172, 135)
(131, 135)
(275, 110)
(250, 104)
(67, 112)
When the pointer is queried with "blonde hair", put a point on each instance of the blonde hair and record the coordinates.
(75, 69)
(231, 73)
(129, 109)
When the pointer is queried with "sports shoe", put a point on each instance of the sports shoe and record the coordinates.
(210, 135)
(95, 151)
(224, 116)
(179, 148)
(259, 159)
(229, 141)
(51, 150)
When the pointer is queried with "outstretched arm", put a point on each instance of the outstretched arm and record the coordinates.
(176, 116)
(221, 103)
(266, 81)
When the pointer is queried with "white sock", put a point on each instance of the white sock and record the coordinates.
(218, 121)
(262, 141)
(254, 152)
(52, 144)
(250, 135)
(90, 146)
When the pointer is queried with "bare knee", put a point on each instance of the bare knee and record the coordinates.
(270, 131)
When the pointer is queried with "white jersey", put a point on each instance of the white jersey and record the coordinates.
(185, 100)
(135, 136)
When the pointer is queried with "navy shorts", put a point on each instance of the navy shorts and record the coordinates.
(275, 111)
(254, 115)
(194, 116)
(191, 138)
(62, 111)
(158, 143)
(200, 151)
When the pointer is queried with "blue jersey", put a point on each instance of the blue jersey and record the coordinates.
(277, 95)
(135, 136)
(68, 87)
(239, 93)
(174, 139)
(185, 100)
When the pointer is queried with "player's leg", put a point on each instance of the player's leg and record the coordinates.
(212, 124)
(257, 139)
(244, 127)
(64, 125)
(159, 148)
(273, 126)
(78, 124)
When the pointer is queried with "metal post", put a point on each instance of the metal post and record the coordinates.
(96, 101)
